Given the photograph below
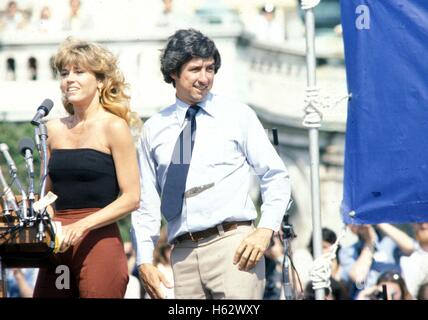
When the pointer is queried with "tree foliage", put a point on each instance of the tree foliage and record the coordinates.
(11, 133)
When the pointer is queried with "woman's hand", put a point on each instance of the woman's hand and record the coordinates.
(73, 234)
(367, 293)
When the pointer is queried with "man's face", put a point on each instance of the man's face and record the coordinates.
(195, 80)
(11, 9)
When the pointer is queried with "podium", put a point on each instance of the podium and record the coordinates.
(21, 248)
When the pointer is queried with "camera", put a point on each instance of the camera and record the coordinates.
(376, 295)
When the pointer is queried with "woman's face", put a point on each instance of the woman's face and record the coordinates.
(393, 290)
(78, 85)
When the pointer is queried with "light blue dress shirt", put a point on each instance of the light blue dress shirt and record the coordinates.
(230, 146)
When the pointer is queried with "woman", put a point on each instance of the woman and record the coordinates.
(93, 170)
(396, 288)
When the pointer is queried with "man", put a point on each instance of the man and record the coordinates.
(414, 267)
(195, 160)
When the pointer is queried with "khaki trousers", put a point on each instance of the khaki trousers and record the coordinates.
(205, 269)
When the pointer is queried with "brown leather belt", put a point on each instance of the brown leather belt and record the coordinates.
(199, 235)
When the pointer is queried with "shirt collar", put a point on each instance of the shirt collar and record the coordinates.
(206, 105)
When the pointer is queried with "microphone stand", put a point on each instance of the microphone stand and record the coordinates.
(37, 139)
(31, 199)
(287, 236)
(31, 196)
(6, 212)
(42, 137)
(23, 211)
(24, 197)
(7, 200)
(13, 174)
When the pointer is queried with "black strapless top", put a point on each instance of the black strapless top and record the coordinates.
(82, 178)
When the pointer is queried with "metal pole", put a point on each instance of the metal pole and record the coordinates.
(43, 131)
(43, 137)
(313, 144)
(3, 288)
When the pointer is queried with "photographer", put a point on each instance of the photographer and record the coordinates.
(396, 288)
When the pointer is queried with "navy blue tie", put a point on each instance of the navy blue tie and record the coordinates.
(175, 183)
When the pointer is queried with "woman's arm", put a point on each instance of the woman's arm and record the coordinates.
(362, 265)
(25, 289)
(125, 159)
(403, 241)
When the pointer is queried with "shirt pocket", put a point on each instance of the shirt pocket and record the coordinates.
(223, 150)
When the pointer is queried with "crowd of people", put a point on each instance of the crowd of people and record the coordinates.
(270, 23)
(42, 20)
(382, 257)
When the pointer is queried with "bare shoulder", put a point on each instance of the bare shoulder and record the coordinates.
(113, 123)
(57, 124)
(115, 130)
(56, 129)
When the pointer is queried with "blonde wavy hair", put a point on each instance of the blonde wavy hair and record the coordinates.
(101, 62)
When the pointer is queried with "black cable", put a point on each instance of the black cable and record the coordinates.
(297, 273)
(293, 270)
(11, 231)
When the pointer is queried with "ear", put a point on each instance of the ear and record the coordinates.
(174, 76)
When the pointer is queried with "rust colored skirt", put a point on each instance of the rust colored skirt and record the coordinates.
(94, 268)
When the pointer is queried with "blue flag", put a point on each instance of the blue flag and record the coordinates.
(386, 153)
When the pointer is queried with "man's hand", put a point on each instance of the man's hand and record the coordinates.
(252, 248)
(152, 278)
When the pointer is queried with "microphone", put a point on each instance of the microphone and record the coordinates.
(5, 150)
(26, 147)
(42, 111)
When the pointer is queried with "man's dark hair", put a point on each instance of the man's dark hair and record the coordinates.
(184, 45)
